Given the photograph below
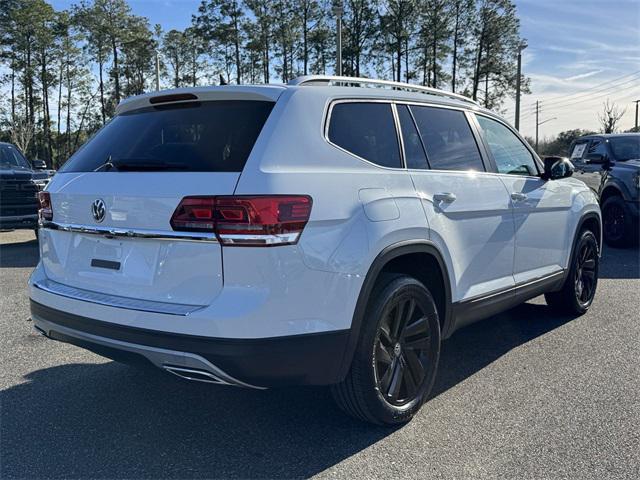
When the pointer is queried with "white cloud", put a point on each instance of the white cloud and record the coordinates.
(583, 75)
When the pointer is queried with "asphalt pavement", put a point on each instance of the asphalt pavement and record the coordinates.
(527, 394)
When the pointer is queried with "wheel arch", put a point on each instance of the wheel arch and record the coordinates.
(611, 189)
(590, 221)
(401, 257)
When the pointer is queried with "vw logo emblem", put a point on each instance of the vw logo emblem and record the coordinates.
(98, 210)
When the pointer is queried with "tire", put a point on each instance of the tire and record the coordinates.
(579, 288)
(392, 374)
(617, 226)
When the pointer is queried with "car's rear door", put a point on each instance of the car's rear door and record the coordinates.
(468, 210)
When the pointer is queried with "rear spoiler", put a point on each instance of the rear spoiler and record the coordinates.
(266, 93)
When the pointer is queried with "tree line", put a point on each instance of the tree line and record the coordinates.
(62, 73)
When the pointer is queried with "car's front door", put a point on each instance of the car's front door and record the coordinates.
(467, 209)
(583, 154)
(541, 208)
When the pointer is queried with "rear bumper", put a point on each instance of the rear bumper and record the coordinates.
(19, 221)
(312, 359)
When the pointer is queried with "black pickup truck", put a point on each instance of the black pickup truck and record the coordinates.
(610, 165)
(19, 187)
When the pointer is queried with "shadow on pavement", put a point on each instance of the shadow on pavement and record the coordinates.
(109, 420)
(620, 263)
(19, 255)
(474, 347)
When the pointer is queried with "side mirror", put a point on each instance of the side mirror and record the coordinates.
(557, 167)
(38, 164)
(597, 158)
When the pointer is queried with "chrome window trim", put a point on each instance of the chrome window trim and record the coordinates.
(471, 109)
(131, 232)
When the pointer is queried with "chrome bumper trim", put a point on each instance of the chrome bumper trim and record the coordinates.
(170, 360)
(115, 300)
(131, 232)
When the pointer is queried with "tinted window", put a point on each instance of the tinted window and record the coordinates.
(413, 149)
(508, 151)
(366, 130)
(10, 157)
(598, 147)
(625, 148)
(197, 137)
(447, 138)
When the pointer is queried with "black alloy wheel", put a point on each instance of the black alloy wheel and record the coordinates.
(614, 222)
(396, 358)
(585, 276)
(579, 288)
(402, 351)
(618, 228)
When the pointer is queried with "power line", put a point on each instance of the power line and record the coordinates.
(606, 84)
(587, 94)
(556, 108)
(567, 99)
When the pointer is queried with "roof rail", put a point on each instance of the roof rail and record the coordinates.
(363, 82)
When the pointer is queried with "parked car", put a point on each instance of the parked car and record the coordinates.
(19, 187)
(610, 165)
(332, 231)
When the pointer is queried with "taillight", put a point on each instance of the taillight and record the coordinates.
(46, 211)
(245, 220)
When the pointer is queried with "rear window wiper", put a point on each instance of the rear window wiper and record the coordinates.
(107, 165)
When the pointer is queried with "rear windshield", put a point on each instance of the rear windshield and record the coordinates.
(188, 137)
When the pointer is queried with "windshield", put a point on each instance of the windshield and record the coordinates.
(188, 137)
(10, 157)
(625, 148)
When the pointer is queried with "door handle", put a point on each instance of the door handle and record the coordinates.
(444, 197)
(518, 197)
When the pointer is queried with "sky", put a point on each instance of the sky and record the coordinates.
(580, 53)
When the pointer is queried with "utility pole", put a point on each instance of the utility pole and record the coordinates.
(521, 47)
(538, 122)
(637, 102)
(338, 10)
(157, 72)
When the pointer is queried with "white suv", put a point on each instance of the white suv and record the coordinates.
(332, 231)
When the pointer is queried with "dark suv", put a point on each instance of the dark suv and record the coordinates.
(610, 165)
(19, 187)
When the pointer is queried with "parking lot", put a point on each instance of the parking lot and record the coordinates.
(526, 394)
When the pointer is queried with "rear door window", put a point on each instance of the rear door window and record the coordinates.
(447, 138)
(367, 130)
(188, 137)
